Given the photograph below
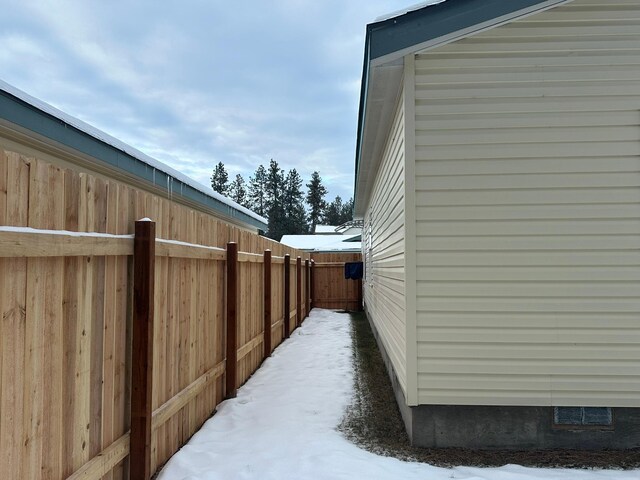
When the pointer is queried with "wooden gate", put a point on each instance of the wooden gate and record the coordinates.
(329, 287)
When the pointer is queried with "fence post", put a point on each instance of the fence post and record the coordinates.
(306, 288)
(267, 303)
(287, 298)
(142, 350)
(232, 331)
(359, 309)
(298, 291)
(313, 283)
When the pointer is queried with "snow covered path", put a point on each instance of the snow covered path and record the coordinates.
(282, 425)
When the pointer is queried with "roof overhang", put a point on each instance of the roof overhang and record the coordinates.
(387, 42)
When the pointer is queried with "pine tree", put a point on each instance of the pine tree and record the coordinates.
(295, 215)
(315, 200)
(274, 200)
(346, 214)
(333, 213)
(220, 179)
(238, 191)
(257, 191)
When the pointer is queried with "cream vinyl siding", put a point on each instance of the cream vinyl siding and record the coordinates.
(528, 211)
(384, 286)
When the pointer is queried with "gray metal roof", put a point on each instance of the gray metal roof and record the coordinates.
(418, 28)
(29, 113)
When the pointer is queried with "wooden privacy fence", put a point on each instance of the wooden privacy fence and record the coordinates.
(66, 318)
(183, 325)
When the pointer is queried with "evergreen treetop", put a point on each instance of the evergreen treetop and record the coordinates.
(257, 191)
(238, 191)
(315, 199)
(220, 179)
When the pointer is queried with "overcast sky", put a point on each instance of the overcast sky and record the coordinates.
(196, 82)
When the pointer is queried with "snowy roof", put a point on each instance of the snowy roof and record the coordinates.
(343, 246)
(325, 229)
(321, 242)
(406, 10)
(158, 173)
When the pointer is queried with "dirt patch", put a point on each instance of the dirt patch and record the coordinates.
(373, 422)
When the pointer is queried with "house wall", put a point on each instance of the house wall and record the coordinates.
(383, 247)
(528, 212)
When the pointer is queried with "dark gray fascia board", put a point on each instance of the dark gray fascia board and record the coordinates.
(417, 27)
(439, 20)
(22, 114)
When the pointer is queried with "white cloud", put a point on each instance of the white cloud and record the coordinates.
(235, 82)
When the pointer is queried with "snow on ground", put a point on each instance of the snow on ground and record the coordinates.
(282, 425)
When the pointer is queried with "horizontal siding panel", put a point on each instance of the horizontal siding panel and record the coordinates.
(538, 212)
(575, 30)
(543, 335)
(487, 74)
(394, 228)
(528, 166)
(527, 304)
(392, 322)
(592, 320)
(482, 397)
(391, 273)
(530, 273)
(549, 289)
(532, 180)
(390, 252)
(547, 43)
(525, 382)
(541, 104)
(393, 296)
(492, 136)
(533, 196)
(445, 122)
(556, 150)
(395, 262)
(524, 90)
(517, 227)
(436, 60)
(531, 242)
(595, 13)
(393, 187)
(395, 326)
(541, 258)
(488, 396)
(541, 366)
(499, 351)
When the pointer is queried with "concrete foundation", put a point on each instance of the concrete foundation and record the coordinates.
(505, 427)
